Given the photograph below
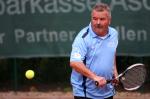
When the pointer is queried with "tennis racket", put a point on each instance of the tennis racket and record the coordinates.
(132, 78)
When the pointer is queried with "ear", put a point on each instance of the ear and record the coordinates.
(109, 21)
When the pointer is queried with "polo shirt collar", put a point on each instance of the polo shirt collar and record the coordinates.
(94, 35)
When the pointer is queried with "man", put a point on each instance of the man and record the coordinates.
(93, 57)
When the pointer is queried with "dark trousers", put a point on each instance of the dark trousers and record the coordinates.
(76, 97)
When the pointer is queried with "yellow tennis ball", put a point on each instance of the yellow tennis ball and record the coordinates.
(29, 74)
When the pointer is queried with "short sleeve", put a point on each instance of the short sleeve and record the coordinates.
(79, 50)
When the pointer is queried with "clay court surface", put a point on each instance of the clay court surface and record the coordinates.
(66, 95)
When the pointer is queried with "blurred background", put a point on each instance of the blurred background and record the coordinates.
(37, 35)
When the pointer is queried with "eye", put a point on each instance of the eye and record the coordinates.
(94, 18)
(102, 18)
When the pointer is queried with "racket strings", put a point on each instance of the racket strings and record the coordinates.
(134, 77)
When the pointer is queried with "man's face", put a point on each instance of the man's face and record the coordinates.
(100, 22)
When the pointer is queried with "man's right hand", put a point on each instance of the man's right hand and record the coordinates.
(101, 81)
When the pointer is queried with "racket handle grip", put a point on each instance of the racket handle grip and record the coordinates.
(107, 81)
(96, 83)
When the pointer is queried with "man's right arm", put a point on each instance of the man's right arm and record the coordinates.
(82, 69)
(78, 53)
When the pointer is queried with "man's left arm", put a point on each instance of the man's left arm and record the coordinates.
(115, 70)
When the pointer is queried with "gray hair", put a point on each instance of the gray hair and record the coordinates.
(102, 7)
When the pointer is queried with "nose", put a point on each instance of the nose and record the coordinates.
(98, 21)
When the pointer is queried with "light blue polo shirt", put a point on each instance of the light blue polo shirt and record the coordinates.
(99, 53)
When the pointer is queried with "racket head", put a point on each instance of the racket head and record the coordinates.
(133, 77)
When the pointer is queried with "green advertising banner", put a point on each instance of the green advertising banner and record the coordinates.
(47, 28)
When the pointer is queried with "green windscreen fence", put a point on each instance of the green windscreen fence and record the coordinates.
(47, 28)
